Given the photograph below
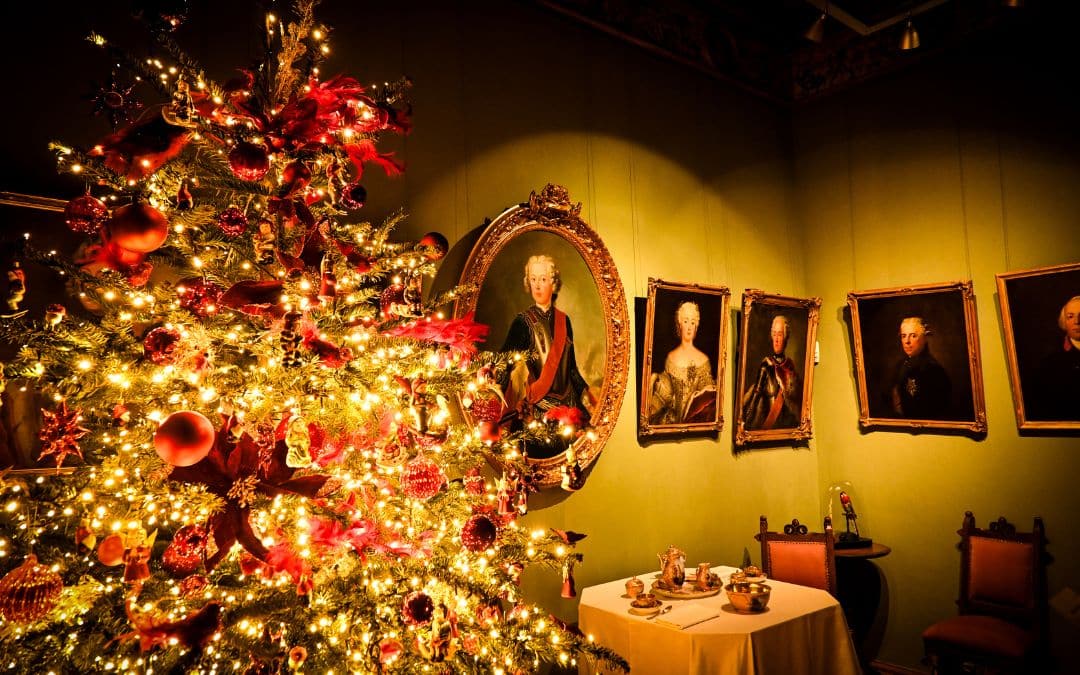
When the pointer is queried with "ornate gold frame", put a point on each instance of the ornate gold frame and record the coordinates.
(971, 332)
(752, 298)
(552, 211)
(1008, 326)
(657, 286)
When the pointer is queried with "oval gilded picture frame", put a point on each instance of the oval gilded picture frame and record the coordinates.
(591, 296)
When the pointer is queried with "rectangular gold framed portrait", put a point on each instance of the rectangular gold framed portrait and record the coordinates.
(685, 349)
(917, 357)
(774, 390)
(1040, 315)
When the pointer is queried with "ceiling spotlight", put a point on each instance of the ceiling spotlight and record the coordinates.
(909, 39)
(816, 31)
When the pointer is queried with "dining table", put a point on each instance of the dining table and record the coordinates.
(801, 631)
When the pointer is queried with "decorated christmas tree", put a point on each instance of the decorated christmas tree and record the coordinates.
(255, 456)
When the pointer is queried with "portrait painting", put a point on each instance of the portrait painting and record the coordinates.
(548, 290)
(774, 390)
(917, 357)
(682, 377)
(1040, 315)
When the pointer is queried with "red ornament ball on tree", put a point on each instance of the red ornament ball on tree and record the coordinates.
(436, 244)
(184, 555)
(199, 296)
(418, 608)
(478, 533)
(137, 227)
(29, 592)
(249, 161)
(184, 438)
(232, 222)
(422, 478)
(160, 345)
(111, 550)
(86, 214)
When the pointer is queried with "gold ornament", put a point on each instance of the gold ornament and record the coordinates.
(29, 592)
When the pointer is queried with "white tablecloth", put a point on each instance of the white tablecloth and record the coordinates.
(801, 632)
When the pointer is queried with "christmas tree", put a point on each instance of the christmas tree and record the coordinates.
(251, 416)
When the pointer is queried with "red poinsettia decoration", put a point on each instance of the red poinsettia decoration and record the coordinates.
(239, 472)
(460, 335)
(565, 414)
(155, 629)
(141, 148)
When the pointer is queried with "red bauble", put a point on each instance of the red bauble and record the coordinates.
(137, 227)
(184, 438)
(160, 345)
(232, 222)
(478, 533)
(436, 244)
(474, 482)
(29, 591)
(199, 296)
(86, 214)
(422, 478)
(354, 196)
(392, 300)
(111, 550)
(418, 608)
(184, 555)
(249, 161)
(193, 585)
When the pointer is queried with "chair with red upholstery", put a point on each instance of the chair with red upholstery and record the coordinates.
(799, 556)
(1001, 626)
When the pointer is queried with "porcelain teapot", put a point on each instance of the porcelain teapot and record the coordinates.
(672, 567)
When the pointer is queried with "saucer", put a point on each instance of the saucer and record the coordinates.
(644, 611)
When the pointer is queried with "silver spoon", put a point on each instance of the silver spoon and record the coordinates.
(665, 610)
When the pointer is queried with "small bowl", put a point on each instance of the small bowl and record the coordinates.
(749, 596)
(644, 600)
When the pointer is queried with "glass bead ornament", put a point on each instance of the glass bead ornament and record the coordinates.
(422, 478)
(418, 608)
(159, 345)
(29, 592)
(184, 554)
(478, 533)
(232, 222)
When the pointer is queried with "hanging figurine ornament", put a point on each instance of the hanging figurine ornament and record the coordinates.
(16, 291)
(298, 440)
(290, 339)
(328, 280)
(29, 592)
(54, 314)
(232, 222)
(86, 214)
(184, 200)
(263, 241)
(568, 588)
(60, 434)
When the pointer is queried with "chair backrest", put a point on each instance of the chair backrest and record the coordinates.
(1003, 572)
(799, 556)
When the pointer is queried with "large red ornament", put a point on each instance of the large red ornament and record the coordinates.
(232, 222)
(29, 592)
(184, 438)
(184, 555)
(436, 244)
(86, 214)
(160, 345)
(418, 608)
(137, 227)
(199, 296)
(422, 478)
(478, 533)
(111, 550)
(249, 161)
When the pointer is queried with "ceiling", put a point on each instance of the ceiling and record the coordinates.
(760, 44)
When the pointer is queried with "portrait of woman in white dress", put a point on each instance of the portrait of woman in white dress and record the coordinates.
(685, 392)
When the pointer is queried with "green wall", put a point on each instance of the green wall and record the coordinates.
(947, 172)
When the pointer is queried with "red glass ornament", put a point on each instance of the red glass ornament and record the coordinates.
(354, 196)
(184, 554)
(199, 296)
(232, 222)
(249, 161)
(422, 478)
(29, 592)
(160, 344)
(391, 300)
(478, 533)
(136, 567)
(137, 227)
(436, 244)
(193, 585)
(86, 214)
(474, 482)
(184, 438)
(418, 608)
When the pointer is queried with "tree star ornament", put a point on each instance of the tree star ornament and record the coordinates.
(60, 434)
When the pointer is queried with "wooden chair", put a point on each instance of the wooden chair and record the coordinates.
(799, 556)
(1001, 626)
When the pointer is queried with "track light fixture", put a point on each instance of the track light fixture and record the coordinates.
(909, 39)
(816, 31)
